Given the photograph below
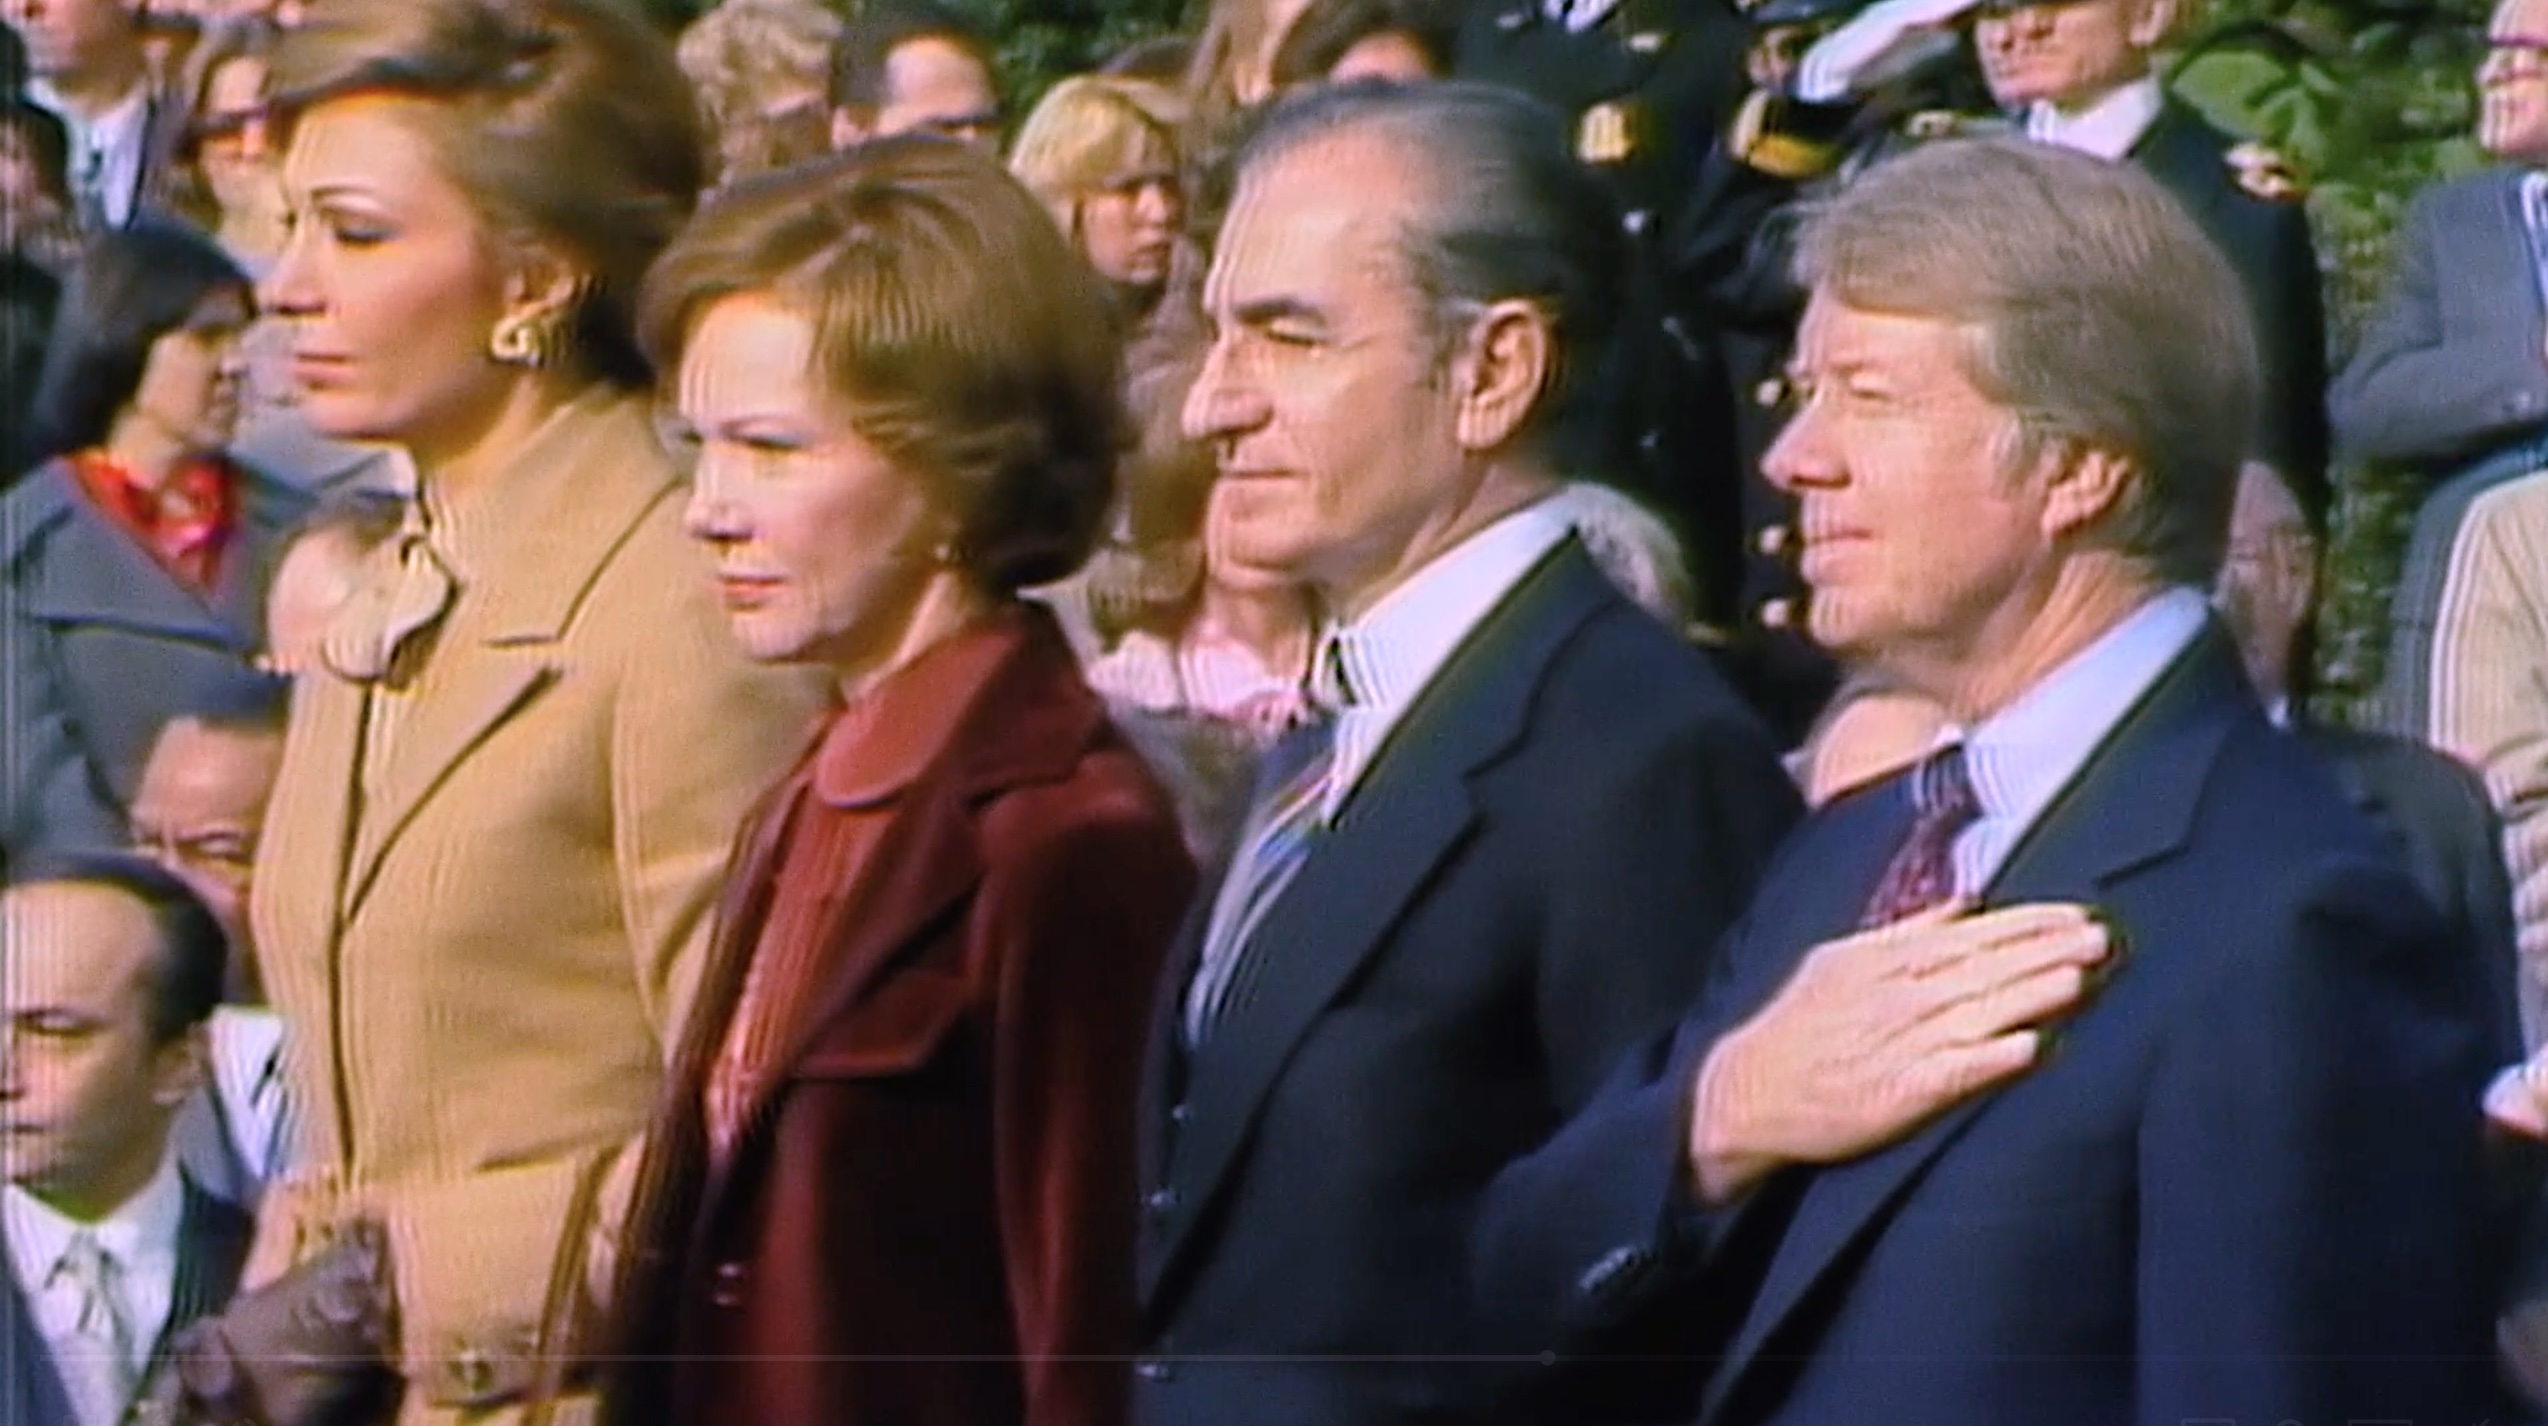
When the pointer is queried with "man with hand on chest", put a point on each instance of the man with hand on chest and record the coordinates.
(2208, 1150)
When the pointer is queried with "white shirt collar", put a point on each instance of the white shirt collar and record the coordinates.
(142, 1237)
(1389, 656)
(113, 142)
(2022, 757)
(2106, 129)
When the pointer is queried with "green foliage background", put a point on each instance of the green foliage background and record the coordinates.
(2369, 99)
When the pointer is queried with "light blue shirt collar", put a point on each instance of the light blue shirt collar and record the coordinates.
(1388, 657)
(2022, 757)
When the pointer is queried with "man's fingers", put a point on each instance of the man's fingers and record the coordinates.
(2082, 945)
(1936, 942)
(1998, 1009)
(1952, 1076)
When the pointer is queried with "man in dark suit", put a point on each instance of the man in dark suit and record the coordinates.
(1728, 275)
(2448, 379)
(113, 968)
(2448, 371)
(1495, 859)
(2239, 1180)
(2432, 809)
(91, 66)
(1645, 85)
(2080, 75)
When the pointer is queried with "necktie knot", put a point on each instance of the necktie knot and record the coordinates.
(1333, 683)
(99, 1368)
(1921, 874)
(1942, 788)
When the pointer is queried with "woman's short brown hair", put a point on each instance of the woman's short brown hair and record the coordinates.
(966, 339)
(567, 122)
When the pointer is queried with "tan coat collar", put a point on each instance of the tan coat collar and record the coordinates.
(551, 515)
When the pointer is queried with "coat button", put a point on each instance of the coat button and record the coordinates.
(1770, 392)
(1777, 614)
(1773, 540)
(1152, 1369)
(728, 1288)
(1616, 1272)
(472, 1374)
(1179, 1114)
(1159, 1203)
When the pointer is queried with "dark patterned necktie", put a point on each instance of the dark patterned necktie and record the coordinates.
(1922, 872)
(1287, 817)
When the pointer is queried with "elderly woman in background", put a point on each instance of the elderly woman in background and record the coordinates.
(1102, 155)
(893, 1181)
(761, 68)
(138, 553)
(484, 891)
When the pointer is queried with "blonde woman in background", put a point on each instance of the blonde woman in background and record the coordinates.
(761, 67)
(508, 791)
(1101, 154)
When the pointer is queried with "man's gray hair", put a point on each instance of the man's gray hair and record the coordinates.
(2098, 311)
(1503, 210)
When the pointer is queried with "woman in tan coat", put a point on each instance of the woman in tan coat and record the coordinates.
(509, 789)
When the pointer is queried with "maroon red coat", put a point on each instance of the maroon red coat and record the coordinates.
(929, 1220)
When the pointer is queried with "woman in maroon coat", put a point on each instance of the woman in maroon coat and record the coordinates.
(893, 1183)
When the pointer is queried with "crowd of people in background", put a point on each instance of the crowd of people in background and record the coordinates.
(1409, 711)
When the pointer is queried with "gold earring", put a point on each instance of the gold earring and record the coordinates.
(523, 339)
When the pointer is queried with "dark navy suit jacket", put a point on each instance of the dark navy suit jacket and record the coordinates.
(1524, 887)
(212, 1247)
(2242, 1186)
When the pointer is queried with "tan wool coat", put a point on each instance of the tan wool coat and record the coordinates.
(485, 954)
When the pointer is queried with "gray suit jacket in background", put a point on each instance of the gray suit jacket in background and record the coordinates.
(99, 645)
(2455, 362)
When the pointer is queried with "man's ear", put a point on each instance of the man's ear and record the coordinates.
(2088, 484)
(543, 284)
(180, 1068)
(2153, 21)
(1504, 368)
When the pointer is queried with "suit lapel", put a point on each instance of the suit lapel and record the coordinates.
(212, 1246)
(580, 487)
(2186, 156)
(93, 574)
(1028, 721)
(490, 686)
(2132, 804)
(267, 512)
(1411, 811)
(930, 857)
(2512, 263)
